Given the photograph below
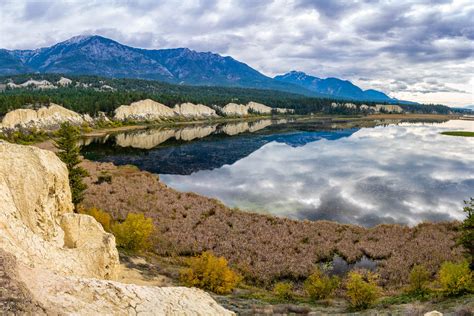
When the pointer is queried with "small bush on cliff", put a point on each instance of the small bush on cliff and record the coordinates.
(66, 142)
(419, 279)
(284, 291)
(134, 232)
(362, 290)
(210, 273)
(467, 232)
(102, 217)
(455, 278)
(320, 286)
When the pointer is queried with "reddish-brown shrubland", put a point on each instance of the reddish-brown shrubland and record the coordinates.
(262, 247)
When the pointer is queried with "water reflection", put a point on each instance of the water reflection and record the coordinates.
(405, 173)
(395, 174)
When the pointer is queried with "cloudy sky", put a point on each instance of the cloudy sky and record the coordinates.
(418, 50)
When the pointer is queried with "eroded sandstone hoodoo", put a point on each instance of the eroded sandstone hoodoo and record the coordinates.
(43, 118)
(144, 110)
(56, 261)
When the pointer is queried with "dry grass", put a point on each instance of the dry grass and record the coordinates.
(265, 248)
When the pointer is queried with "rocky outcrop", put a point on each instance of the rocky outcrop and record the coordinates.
(388, 108)
(55, 261)
(145, 110)
(234, 109)
(64, 82)
(190, 110)
(44, 118)
(254, 107)
(39, 84)
(284, 111)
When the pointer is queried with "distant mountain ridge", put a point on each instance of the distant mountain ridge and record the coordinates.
(97, 55)
(332, 86)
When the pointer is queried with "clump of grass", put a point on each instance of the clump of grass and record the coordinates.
(459, 133)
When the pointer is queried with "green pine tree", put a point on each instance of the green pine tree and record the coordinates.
(66, 143)
(467, 232)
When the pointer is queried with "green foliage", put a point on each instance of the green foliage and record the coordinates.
(459, 133)
(91, 100)
(24, 137)
(362, 290)
(68, 152)
(210, 273)
(419, 279)
(283, 290)
(320, 286)
(455, 278)
(467, 231)
(134, 232)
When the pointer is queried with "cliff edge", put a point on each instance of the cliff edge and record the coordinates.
(58, 262)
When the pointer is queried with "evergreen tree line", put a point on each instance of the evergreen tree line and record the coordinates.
(93, 98)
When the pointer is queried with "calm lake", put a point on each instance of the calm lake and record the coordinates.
(363, 172)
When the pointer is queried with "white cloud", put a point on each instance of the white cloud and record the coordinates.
(383, 41)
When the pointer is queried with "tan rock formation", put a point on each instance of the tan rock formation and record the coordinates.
(144, 110)
(64, 81)
(53, 260)
(234, 109)
(44, 118)
(194, 110)
(259, 108)
(388, 108)
(284, 111)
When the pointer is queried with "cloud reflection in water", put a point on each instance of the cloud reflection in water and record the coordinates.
(395, 174)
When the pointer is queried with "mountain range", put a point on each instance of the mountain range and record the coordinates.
(97, 55)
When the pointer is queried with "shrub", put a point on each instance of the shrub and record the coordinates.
(133, 233)
(320, 286)
(283, 290)
(102, 217)
(362, 290)
(210, 273)
(455, 278)
(419, 279)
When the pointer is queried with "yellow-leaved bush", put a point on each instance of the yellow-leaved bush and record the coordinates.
(456, 278)
(419, 280)
(211, 273)
(102, 217)
(362, 289)
(283, 290)
(320, 286)
(134, 232)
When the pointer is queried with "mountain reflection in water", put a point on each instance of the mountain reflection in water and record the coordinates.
(405, 173)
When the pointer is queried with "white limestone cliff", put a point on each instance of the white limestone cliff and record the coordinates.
(44, 118)
(190, 110)
(143, 110)
(60, 261)
(259, 108)
(234, 109)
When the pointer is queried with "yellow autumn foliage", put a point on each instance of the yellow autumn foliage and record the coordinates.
(210, 273)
